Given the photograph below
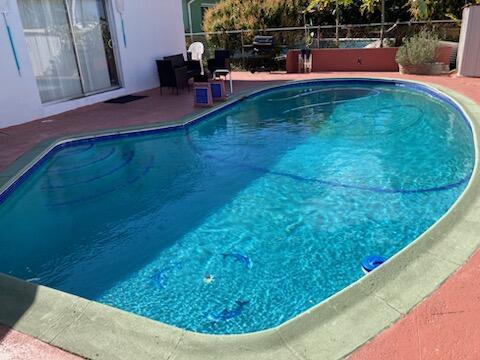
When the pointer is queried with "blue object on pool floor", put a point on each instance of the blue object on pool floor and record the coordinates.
(227, 314)
(372, 262)
(161, 275)
(245, 260)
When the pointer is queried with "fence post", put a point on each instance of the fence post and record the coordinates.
(337, 23)
(318, 36)
(382, 27)
(243, 50)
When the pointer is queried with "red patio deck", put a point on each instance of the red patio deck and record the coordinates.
(17, 346)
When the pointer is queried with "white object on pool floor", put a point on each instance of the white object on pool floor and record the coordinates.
(208, 279)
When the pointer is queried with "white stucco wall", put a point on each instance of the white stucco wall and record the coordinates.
(154, 29)
(468, 58)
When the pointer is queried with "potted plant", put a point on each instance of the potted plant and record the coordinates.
(418, 55)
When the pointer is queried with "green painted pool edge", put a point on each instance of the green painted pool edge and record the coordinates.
(330, 330)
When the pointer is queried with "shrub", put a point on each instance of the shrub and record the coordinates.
(253, 14)
(419, 49)
(248, 15)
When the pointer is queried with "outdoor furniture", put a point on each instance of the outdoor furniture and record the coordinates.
(175, 72)
(263, 56)
(220, 61)
(200, 78)
(206, 92)
(170, 76)
(217, 74)
(202, 94)
(193, 66)
(195, 53)
(220, 66)
(217, 89)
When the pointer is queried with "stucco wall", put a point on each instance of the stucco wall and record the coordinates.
(154, 29)
(468, 60)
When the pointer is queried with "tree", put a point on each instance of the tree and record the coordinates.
(250, 15)
(430, 9)
(418, 9)
(253, 14)
(260, 14)
(366, 6)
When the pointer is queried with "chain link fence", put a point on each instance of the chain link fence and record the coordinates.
(325, 36)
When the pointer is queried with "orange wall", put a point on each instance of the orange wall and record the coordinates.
(347, 60)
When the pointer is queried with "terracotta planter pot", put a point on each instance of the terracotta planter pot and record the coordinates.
(443, 54)
(292, 61)
(424, 69)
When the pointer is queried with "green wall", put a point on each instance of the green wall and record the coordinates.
(196, 8)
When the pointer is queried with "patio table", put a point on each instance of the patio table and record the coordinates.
(225, 73)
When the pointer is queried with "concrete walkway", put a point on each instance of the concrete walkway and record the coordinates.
(444, 326)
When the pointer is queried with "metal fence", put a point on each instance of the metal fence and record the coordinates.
(324, 36)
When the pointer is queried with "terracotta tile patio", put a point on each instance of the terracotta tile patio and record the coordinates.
(444, 326)
(17, 346)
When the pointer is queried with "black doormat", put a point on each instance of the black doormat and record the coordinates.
(125, 99)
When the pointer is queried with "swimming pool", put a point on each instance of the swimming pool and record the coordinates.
(247, 218)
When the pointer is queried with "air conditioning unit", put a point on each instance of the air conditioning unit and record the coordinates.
(468, 60)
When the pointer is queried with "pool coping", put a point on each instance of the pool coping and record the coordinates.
(330, 330)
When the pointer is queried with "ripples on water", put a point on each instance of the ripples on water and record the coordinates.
(246, 219)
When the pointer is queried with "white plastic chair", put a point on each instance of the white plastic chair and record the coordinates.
(196, 50)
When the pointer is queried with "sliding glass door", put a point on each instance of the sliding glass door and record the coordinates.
(92, 39)
(70, 46)
(49, 41)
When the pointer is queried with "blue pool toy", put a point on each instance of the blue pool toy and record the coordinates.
(372, 262)
(227, 314)
(245, 260)
(159, 278)
(161, 275)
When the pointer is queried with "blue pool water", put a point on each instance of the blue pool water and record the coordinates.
(248, 217)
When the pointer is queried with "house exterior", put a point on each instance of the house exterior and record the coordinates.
(73, 53)
(193, 11)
